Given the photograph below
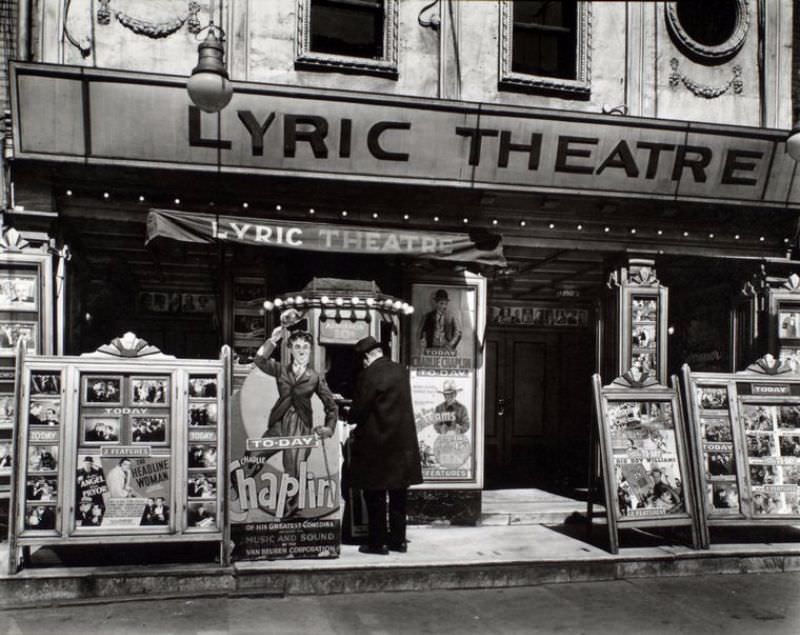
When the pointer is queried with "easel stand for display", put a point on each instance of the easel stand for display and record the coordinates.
(643, 457)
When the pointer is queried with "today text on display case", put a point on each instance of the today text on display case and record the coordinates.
(124, 445)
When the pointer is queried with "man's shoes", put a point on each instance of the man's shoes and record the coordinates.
(379, 550)
(400, 547)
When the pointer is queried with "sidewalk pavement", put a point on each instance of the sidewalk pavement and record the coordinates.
(439, 557)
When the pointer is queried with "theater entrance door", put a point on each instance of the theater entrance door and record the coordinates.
(537, 407)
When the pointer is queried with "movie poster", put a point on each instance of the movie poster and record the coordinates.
(284, 490)
(645, 456)
(444, 417)
(122, 487)
(443, 327)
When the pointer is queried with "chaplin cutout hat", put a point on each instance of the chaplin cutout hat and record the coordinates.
(449, 386)
(365, 345)
(441, 294)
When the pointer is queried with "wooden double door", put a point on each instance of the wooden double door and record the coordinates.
(538, 408)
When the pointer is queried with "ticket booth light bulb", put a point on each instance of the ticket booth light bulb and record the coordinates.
(268, 306)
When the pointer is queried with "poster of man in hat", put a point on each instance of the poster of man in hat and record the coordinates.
(443, 326)
(442, 413)
(450, 415)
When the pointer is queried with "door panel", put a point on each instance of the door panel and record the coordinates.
(540, 382)
(528, 365)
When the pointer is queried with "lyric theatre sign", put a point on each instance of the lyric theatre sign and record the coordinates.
(111, 117)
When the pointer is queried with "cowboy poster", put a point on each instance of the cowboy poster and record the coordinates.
(445, 420)
(443, 326)
(280, 507)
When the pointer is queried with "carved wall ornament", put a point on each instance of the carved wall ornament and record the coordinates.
(768, 365)
(636, 378)
(792, 283)
(689, 39)
(749, 290)
(613, 280)
(700, 90)
(154, 30)
(644, 277)
(12, 241)
(129, 346)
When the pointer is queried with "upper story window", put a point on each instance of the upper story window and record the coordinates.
(348, 35)
(544, 46)
(702, 39)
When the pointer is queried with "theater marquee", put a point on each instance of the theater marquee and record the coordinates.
(111, 117)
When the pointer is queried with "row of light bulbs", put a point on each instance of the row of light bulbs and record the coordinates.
(495, 222)
(383, 304)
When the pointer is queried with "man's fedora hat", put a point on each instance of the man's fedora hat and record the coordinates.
(365, 345)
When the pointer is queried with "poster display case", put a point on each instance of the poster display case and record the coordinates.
(637, 321)
(31, 315)
(447, 380)
(745, 429)
(644, 456)
(784, 321)
(123, 445)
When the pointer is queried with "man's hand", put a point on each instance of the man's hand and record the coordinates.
(323, 433)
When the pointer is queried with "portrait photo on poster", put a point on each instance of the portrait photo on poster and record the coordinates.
(443, 326)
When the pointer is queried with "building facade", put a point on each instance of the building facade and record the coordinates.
(629, 156)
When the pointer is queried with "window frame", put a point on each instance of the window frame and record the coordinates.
(578, 88)
(307, 59)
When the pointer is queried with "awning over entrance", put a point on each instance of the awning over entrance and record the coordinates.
(192, 227)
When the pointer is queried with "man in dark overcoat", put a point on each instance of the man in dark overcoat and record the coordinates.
(385, 452)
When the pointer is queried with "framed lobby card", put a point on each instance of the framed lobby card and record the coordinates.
(644, 455)
(19, 290)
(14, 331)
(101, 390)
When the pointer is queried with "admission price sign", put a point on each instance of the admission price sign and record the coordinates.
(120, 445)
(643, 454)
(745, 429)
